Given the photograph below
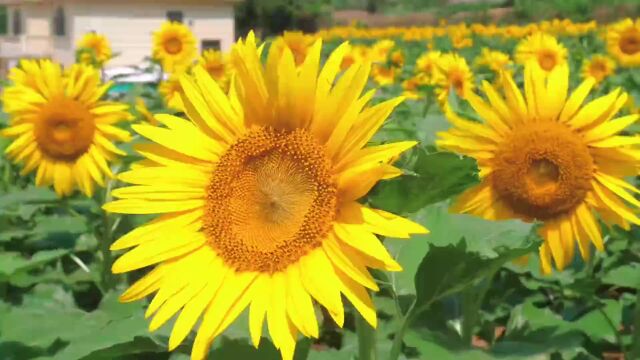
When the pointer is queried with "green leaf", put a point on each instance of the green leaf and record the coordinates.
(26, 196)
(13, 262)
(624, 276)
(437, 177)
(484, 237)
(60, 224)
(446, 270)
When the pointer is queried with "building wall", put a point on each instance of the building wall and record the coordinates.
(130, 25)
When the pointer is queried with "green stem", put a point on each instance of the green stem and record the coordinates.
(366, 340)
(635, 348)
(105, 240)
(396, 346)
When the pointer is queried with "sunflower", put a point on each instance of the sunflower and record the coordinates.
(543, 48)
(623, 42)
(495, 60)
(60, 126)
(397, 58)
(170, 90)
(545, 156)
(174, 46)
(383, 74)
(381, 49)
(452, 72)
(427, 63)
(257, 200)
(218, 67)
(410, 87)
(99, 48)
(355, 55)
(599, 67)
(297, 42)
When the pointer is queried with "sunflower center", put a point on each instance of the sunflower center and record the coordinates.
(64, 129)
(173, 45)
(543, 170)
(598, 69)
(630, 42)
(547, 60)
(457, 82)
(270, 201)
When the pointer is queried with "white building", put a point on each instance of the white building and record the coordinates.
(51, 28)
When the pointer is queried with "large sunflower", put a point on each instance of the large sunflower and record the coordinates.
(61, 127)
(174, 46)
(543, 48)
(257, 200)
(98, 45)
(623, 42)
(548, 157)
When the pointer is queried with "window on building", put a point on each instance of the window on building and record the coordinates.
(16, 22)
(210, 44)
(4, 20)
(59, 23)
(175, 15)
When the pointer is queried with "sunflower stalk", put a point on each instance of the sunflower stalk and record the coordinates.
(105, 239)
(635, 347)
(366, 340)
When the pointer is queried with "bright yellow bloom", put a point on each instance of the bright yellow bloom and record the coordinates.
(381, 49)
(174, 46)
(452, 72)
(623, 42)
(297, 42)
(257, 195)
(61, 128)
(543, 48)
(383, 74)
(218, 67)
(495, 60)
(599, 67)
(170, 90)
(355, 55)
(461, 42)
(98, 45)
(546, 156)
(427, 64)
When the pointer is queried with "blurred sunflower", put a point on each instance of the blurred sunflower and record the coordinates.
(98, 45)
(381, 49)
(495, 60)
(218, 67)
(174, 46)
(170, 90)
(356, 54)
(410, 87)
(623, 42)
(383, 74)
(397, 58)
(452, 72)
(545, 156)
(427, 63)
(543, 48)
(60, 126)
(599, 67)
(257, 196)
(297, 42)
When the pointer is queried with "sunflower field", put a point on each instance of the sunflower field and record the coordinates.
(460, 191)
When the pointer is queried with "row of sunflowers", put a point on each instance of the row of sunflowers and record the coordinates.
(266, 181)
